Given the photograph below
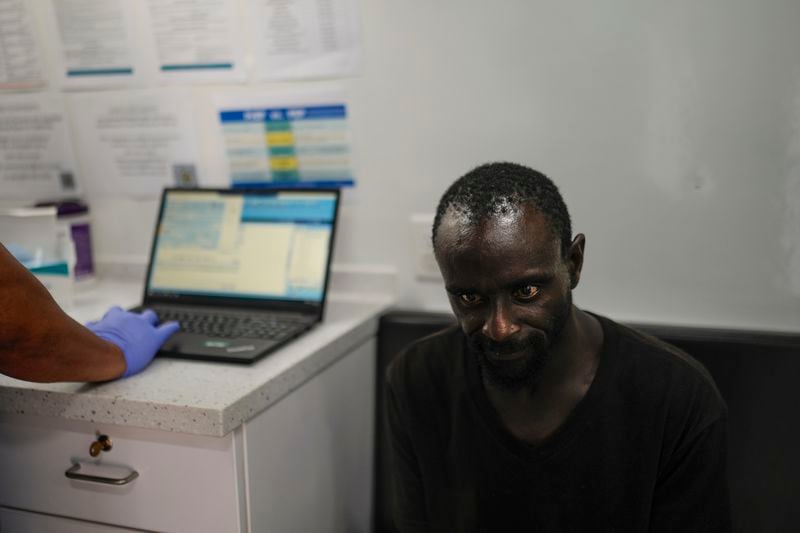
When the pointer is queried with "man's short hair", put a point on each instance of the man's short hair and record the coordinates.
(494, 188)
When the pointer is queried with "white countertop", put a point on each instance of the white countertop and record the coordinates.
(196, 397)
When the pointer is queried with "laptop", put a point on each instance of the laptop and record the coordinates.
(244, 271)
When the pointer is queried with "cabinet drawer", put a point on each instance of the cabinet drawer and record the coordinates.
(15, 521)
(184, 483)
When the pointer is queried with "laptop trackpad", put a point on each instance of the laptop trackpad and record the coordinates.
(202, 346)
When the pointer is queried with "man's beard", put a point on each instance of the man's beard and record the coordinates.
(523, 370)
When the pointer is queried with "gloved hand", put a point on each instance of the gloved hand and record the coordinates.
(136, 334)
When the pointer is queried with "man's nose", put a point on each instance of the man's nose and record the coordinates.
(500, 323)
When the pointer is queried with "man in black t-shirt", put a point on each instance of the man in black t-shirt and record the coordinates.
(534, 415)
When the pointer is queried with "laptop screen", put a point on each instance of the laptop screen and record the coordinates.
(243, 244)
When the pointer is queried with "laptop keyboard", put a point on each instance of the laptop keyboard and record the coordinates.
(239, 325)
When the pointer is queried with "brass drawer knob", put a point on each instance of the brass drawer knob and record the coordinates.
(102, 444)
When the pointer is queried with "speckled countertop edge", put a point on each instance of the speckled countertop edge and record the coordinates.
(196, 397)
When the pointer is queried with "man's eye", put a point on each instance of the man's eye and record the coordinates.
(469, 298)
(526, 292)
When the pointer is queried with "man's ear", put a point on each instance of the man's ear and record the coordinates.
(575, 259)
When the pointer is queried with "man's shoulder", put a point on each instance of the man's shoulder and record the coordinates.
(429, 361)
(654, 351)
(652, 366)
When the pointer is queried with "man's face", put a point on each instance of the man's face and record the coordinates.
(510, 290)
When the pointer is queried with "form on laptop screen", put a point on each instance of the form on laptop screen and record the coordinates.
(244, 245)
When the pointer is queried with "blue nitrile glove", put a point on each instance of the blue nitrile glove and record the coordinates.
(136, 334)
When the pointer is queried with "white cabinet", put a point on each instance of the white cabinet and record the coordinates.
(311, 457)
(304, 464)
(184, 483)
(25, 522)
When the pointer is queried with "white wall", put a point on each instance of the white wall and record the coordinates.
(673, 132)
(672, 128)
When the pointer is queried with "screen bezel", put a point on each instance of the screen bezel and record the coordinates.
(307, 307)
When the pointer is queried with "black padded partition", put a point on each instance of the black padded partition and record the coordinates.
(756, 373)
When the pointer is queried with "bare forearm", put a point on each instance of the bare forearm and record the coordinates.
(39, 342)
(62, 351)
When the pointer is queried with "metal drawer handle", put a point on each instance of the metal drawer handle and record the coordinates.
(74, 472)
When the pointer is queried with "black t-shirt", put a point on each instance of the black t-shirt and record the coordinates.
(644, 450)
